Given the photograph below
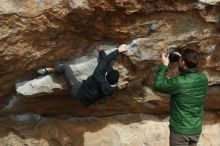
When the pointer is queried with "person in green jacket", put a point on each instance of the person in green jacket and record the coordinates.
(187, 91)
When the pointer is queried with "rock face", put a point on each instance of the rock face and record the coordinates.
(120, 130)
(38, 33)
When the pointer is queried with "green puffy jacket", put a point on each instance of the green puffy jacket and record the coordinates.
(187, 99)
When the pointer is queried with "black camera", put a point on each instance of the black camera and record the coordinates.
(173, 57)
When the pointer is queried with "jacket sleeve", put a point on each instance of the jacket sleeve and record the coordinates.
(102, 67)
(102, 56)
(107, 89)
(162, 84)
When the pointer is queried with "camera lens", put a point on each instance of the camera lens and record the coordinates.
(174, 57)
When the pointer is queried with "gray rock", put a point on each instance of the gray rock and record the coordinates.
(44, 84)
(211, 2)
(25, 118)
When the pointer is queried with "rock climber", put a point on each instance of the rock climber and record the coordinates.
(102, 83)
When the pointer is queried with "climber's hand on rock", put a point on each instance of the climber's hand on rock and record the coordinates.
(99, 47)
(165, 59)
(122, 48)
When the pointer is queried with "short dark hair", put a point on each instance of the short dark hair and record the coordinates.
(112, 77)
(190, 57)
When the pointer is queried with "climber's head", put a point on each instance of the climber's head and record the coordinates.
(112, 77)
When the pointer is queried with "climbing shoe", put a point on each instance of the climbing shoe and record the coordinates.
(42, 71)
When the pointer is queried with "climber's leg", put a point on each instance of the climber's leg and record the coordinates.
(72, 81)
(63, 69)
(58, 69)
(44, 71)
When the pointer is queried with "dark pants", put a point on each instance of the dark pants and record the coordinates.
(65, 70)
(183, 140)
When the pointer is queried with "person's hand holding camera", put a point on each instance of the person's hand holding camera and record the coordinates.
(165, 59)
(170, 57)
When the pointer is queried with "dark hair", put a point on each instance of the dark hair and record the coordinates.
(191, 58)
(112, 77)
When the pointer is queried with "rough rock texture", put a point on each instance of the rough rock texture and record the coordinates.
(40, 33)
(37, 33)
(120, 130)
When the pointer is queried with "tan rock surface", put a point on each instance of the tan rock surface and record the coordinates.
(120, 130)
(56, 29)
(37, 33)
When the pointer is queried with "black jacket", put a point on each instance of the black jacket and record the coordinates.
(96, 87)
